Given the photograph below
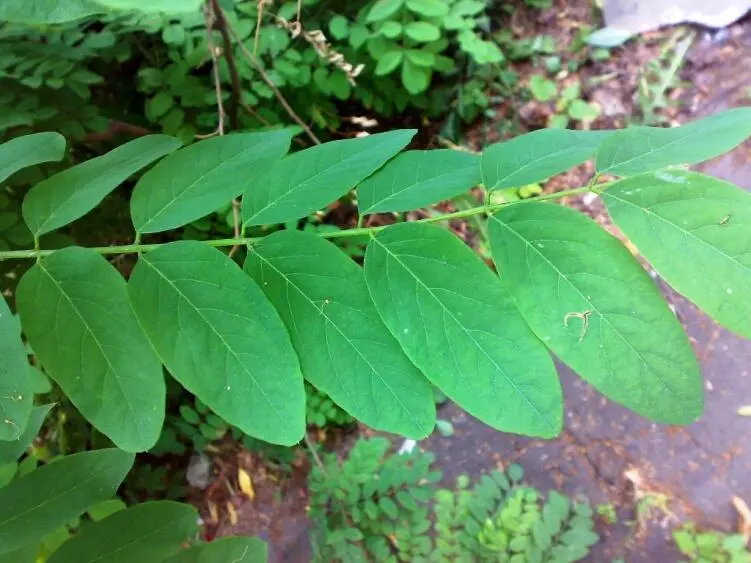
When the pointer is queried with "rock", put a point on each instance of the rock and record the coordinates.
(636, 16)
(198, 473)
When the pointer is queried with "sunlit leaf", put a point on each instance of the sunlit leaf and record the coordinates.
(28, 150)
(643, 149)
(71, 194)
(203, 177)
(416, 179)
(311, 179)
(76, 315)
(537, 155)
(344, 348)
(16, 397)
(696, 232)
(456, 322)
(149, 531)
(590, 301)
(220, 338)
(48, 497)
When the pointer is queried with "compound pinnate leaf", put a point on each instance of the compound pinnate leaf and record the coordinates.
(537, 155)
(456, 322)
(201, 178)
(644, 149)
(416, 179)
(311, 179)
(48, 497)
(29, 150)
(344, 348)
(220, 338)
(149, 531)
(696, 232)
(16, 397)
(591, 302)
(76, 315)
(71, 194)
(232, 549)
(11, 451)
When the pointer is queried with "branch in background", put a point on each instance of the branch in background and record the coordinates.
(116, 127)
(279, 96)
(221, 25)
(211, 15)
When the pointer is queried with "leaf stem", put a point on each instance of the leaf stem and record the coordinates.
(360, 231)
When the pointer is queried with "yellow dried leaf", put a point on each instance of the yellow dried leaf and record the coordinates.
(745, 410)
(232, 512)
(214, 513)
(246, 485)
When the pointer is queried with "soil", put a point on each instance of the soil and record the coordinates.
(655, 476)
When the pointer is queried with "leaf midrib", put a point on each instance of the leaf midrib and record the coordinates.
(193, 184)
(325, 316)
(651, 213)
(411, 186)
(468, 333)
(219, 335)
(137, 420)
(593, 308)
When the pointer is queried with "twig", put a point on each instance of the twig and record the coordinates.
(229, 55)
(214, 59)
(311, 446)
(265, 77)
(114, 128)
(256, 39)
(210, 14)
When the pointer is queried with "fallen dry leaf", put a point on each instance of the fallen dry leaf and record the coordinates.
(745, 410)
(246, 485)
(232, 513)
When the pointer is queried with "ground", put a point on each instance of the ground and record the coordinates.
(654, 476)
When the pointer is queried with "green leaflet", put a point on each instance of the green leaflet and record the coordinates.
(311, 179)
(11, 451)
(457, 324)
(29, 150)
(382, 9)
(231, 550)
(221, 338)
(149, 531)
(16, 396)
(644, 149)
(48, 497)
(152, 6)
(47, 11)
(592, 303)
(416, 179)
(202, 177)
(25, 554)
(696, 232)
(75, 313)
(343, 346)
(537, 155)
(71, 194)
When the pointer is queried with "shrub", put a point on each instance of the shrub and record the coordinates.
(381, 507)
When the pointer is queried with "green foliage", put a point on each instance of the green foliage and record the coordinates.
(322, 412)
(424, 309)
(606, 318)
(236, 549)
(710, 546)
(53, 494)
(568, 103)
(376, 506)
(448, 298)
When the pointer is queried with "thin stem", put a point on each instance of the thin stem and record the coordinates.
(229, 56)
(314, 453)
(270, 83)
(361, 231)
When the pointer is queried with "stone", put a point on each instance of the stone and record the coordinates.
(637, 16)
